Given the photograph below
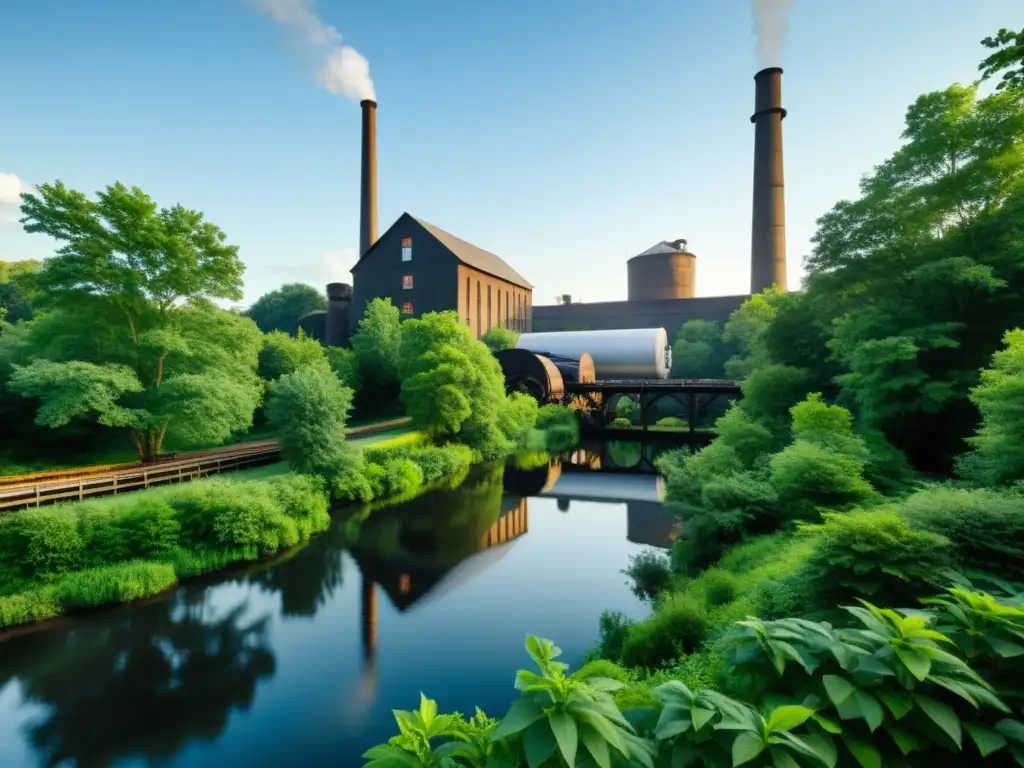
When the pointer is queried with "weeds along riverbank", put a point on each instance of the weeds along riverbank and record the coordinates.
(67, 557)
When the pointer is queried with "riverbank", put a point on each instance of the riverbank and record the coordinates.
(68, 557)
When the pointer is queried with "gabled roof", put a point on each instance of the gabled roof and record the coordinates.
(467, 253)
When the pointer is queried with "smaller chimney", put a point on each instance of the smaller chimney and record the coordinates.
(368, 179)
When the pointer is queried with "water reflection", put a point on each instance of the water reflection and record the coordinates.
(335, 635)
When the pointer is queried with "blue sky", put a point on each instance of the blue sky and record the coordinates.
(564, 135)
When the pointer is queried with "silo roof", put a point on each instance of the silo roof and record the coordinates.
(661, 247)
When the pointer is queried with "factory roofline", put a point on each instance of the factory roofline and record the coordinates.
(465, 252)
(664, 246)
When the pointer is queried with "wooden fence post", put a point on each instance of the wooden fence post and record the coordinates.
(145, 478)
(79, 490)
(37, 495)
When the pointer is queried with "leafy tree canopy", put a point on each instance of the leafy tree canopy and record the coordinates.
(376, 343)
(498, 338)
(281, 354)
(18, 284)
(282, 309)
(129, 336)
(1008, 58)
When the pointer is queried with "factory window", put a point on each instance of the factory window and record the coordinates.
(406, 282)
(407, 308)
(478, 305)
(469, 292)
(490, 317)
(407, 249)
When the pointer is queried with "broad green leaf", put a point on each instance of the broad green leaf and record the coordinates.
(673, 689)
(701, 716)
(870, 709)
(866, 753)
(386, 756)
(829, 725)
(673, 721)
(898, 704)
(824, 747)
(942, 715)
(919, 664)
(428, 710)
(604, 684)
(781, 758)
(987, 740)
(566, 734)
(838, 689)
(1011, 729)
(746, 747)
(611, 734)
(789, 717)
(521, 714)
(538, 743)
(596, 746)
(905, 741)
(1005, 648)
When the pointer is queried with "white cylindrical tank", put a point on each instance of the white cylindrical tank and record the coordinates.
(630, 353)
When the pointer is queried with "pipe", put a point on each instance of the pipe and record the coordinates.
(768, 230)
(368, 179)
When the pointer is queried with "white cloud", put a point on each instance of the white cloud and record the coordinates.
(328, 267)
(11, 188)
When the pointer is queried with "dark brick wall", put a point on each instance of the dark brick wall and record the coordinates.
(433, 268)
(664, 313)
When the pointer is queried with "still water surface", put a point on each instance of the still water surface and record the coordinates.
(300, 661)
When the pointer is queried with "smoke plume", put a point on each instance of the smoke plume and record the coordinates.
(770, 24)
(341, 69)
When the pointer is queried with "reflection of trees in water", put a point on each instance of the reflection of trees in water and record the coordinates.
(140, 684)
(443, 528)
(307, 578)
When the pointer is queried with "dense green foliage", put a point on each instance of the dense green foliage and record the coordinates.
(282, 309)
(453, 388)
(376, 344)
(282, 354)
(499, 338)
(122, 548)
(18, 285)
(801, 693)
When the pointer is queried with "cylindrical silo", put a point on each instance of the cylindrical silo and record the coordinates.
(337, 325)
(664, 271)
(627, 353)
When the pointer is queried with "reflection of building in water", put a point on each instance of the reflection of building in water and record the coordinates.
(651, 523)
(409, 579)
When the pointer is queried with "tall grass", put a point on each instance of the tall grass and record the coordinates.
(126, 547)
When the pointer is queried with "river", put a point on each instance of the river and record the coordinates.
(300, 660)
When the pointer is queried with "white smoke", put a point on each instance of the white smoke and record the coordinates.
(341, 69)
(770, 25)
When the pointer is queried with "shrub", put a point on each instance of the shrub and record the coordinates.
(620, 423)
(43, 543)
(253, 520)
(401, 477)
(871, 555)
(719, 586)
(747, 438)
(678, 626)
(770, 391)
(117, 583)
(673, 422)
(807, 477)
(304, 500)
(343, 362)
(612, 629)
(308, 409)
(886, 467)
(141, 527)
(282, 354)
(649, 573)
(498, 338)
(985, 528)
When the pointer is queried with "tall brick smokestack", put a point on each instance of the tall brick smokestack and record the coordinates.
(368, 178)
(768, 233)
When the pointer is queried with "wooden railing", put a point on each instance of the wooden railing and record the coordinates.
(78, 485)
(150, 476)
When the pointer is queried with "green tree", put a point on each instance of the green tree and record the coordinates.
(308, 408)
(1008, 58)
(453, 388)
(376, 344)
(998, 455)
(499, 338)
(282, 309)
(18, 284)
(343, 362)
(129, 337)
(699, 351)
(281, 354)
(746, 329)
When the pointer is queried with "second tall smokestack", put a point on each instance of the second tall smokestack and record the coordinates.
(768, 232)
(368, 179)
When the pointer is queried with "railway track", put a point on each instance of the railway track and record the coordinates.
(77, 485)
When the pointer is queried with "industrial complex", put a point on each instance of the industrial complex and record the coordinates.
(422, 268)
